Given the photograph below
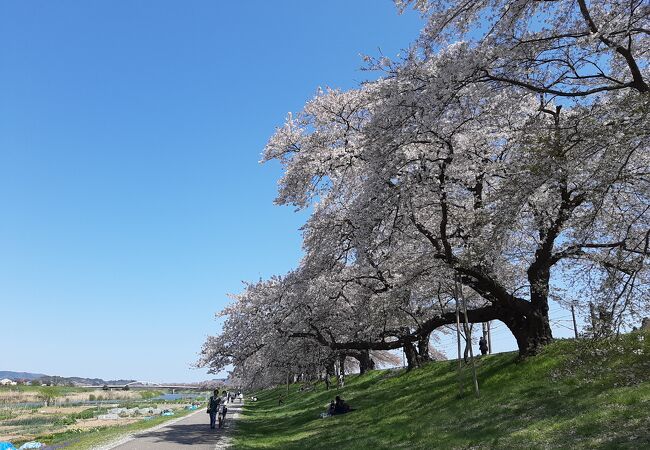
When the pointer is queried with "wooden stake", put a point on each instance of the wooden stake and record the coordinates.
(460, 362)
(575, 326)
(489, 337)
(468, 336)
(484, 329)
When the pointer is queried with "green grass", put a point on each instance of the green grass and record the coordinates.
(576, 394)
(6, 414)
(147, 395)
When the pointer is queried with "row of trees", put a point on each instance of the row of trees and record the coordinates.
(505, 156)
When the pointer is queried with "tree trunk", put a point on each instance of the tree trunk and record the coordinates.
(466, 351)
(330, 370)
(423, 348)
(532, 332)
(365, 361)
(412, 359)
(342, 365)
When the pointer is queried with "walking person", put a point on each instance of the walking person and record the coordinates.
(483, 345)
(213, 408)
(223, 409)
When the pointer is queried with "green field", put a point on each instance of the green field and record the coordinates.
(74, 426)
(89, 439)
(576, 394)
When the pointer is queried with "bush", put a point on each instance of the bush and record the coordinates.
(148, 395)
(87, 413)
(49, 393)
(65, 420)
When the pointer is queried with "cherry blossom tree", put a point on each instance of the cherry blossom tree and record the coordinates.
(566, 48)
(490, 175)
(507, 152)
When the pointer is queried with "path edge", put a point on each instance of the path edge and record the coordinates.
(131, 436)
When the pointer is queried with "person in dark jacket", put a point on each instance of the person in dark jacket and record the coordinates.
(483, 345)
(213, 408)
(340, 406)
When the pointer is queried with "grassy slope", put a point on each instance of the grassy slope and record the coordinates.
(579, 395)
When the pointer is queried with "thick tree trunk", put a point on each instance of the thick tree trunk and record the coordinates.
(532, 331)
(416, 355)
(365, 361)
(412, 359)
(423, 348)
(330, 370)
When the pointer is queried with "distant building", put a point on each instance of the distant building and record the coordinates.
(7, 382)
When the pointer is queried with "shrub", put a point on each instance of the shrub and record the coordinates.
(148, 395)
(49, 393)
(87, 413)
(65, 420)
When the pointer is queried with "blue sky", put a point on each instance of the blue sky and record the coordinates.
(131, 196)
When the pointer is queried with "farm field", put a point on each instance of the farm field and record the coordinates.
(80, 418)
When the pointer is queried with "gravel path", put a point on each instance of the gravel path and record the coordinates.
(192, 431)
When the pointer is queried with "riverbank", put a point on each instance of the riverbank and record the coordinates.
(80, 418)
(576, 394)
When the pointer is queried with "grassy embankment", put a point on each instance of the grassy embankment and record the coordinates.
(576, 394)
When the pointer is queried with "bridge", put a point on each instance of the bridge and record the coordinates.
(146, 385)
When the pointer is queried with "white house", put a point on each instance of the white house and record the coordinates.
(7, 382)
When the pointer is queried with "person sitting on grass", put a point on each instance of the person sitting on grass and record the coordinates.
(329, 412)
(340, 407)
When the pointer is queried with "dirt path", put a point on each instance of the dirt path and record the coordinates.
(192, 431)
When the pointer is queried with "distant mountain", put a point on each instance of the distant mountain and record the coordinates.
(77, 381)
(21, 375)
(80, 381)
